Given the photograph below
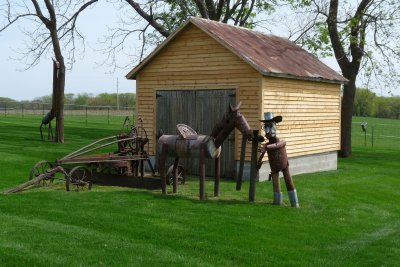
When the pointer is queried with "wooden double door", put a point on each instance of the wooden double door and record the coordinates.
(201, 110)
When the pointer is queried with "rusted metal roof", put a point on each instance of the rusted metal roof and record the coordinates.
(270, 55)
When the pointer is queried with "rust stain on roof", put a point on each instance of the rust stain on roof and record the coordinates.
(270, 55)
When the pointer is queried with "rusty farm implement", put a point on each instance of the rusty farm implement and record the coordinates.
(81, 168)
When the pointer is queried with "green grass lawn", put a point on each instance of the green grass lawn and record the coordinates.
(383, 133)
(348, 217)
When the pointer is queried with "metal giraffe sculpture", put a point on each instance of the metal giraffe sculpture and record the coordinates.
(278, 160)
(189, 144)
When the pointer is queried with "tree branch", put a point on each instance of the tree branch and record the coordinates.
(149, 18)
(201, 5)
(76, 14)
(212, 12)
(303, 31)
(229, 11)
(357, 34)
(220, 7)
(39, 13)
(239, 14)
(337, 46)
(249, 12)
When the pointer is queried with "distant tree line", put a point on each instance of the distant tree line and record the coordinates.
(368, 104)
(124, 100)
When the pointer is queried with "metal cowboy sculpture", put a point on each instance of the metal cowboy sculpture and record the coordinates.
(278, 160)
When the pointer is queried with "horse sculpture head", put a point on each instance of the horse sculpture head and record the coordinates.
(232, 119)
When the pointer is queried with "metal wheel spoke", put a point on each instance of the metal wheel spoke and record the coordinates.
(79, 178)
(42, 167)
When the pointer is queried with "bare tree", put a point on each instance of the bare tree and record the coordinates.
(154, 20)
(48, 24)
(363, 37)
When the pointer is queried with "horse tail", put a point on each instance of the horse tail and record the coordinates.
(159, 134)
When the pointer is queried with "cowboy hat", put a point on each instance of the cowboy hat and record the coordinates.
(269, 117)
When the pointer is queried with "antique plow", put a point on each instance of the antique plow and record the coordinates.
(76, 168)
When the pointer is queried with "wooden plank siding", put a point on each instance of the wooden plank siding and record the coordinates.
(195, 61)
(311, 114)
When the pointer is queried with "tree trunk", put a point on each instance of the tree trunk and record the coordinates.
(58, 104)
(58, 90)
(347, 108)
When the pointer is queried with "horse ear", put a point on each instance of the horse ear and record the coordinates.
(238, 105)
(230, 107)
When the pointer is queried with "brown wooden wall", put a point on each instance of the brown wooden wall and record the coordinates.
(311, 114)
(196, 61)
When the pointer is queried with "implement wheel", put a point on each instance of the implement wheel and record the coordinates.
(78, 179)
(139, 135)
(138, 132)
(181, 173)
(42, 167)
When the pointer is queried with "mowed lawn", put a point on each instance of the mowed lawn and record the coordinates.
(348, 217)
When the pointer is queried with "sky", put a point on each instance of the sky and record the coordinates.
(87, 75)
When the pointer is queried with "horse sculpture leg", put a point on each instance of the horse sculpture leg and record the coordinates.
(277, 189)
(175, 175)
(241, 164)
(140, 162)
(163, 158)
(202, 171)
(294, 202)
(217, 175)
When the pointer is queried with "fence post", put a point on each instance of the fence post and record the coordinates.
(22, 110)
(108, 115)
(86, 113)
(365, 137)
(5, 109)
(42, 109)
(372, 135)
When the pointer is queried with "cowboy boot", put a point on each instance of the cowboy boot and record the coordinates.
(278, 198)
(294, 202)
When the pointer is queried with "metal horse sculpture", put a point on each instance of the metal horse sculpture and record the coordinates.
(189, 144)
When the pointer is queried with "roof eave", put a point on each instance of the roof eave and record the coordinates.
(303, 78)
(262, 71)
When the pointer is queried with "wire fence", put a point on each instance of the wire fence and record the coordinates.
(366, 134)
(84, 113)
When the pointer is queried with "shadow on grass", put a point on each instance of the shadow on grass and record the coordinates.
(187, 193)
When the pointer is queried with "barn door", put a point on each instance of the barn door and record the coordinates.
(201, 110)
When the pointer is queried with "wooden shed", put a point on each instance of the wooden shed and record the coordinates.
(202, 67)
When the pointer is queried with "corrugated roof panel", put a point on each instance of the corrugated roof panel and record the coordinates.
(269, 54)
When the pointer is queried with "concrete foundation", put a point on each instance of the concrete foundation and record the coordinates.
(298, 165)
